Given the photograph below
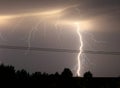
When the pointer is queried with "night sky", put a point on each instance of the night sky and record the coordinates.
(51, 24)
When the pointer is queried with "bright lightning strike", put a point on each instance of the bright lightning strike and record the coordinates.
(80, 48)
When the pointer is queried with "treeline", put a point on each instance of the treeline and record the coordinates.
(21, 78)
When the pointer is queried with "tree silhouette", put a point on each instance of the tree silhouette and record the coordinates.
(88, 74)
(22, 74)
(8, 75)
(67, 73)
(7, 72)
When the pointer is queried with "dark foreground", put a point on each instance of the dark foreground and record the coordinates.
(11, 78)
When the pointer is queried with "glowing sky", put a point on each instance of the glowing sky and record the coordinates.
(52, 23)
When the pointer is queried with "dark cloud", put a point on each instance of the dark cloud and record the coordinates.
(24, 6)
(84, 9)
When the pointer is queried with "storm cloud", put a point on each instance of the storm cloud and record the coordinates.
(103, 16)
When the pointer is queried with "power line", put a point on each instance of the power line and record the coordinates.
(57, 50)
(101, 52)
(38, 49)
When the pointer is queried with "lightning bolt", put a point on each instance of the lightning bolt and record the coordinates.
(80, 52)
(34, 29)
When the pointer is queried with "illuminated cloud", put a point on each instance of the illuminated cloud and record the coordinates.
(93, 11)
